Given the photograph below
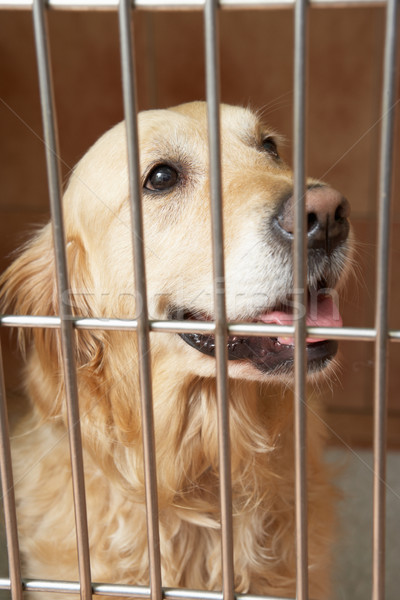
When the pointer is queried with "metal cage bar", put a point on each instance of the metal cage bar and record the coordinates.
(300, 294)
(8, 497)
(184, 4)
(382, 291)
(127, 591)
(66, 329)
(143, 330)
(365, 334)
(221, 330)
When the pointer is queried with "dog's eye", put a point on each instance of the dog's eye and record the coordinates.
(161, 178)
(270, 146)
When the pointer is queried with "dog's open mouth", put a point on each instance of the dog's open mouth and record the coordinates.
(273, 354)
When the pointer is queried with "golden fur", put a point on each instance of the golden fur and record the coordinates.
(178, 260)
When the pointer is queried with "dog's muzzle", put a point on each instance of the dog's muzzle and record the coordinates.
(273, 354)
(327, 234)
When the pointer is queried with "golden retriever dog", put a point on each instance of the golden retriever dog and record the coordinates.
(258, 221)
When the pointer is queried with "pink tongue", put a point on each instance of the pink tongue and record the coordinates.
(322, 313)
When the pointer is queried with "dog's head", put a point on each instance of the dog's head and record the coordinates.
(258, 227)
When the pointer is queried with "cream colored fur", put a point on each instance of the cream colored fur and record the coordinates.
(178, 260)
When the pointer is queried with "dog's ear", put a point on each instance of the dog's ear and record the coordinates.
(28, 287)
(81, 296)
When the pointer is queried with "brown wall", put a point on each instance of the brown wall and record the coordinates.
(344, 78)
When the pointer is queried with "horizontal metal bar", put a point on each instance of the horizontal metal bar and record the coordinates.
(183, 4)
(28, 321)
(365, 334)
(126, 591)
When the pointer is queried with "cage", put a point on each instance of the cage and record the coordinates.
(325, 77)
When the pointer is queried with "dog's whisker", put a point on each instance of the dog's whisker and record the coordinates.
(358, 140)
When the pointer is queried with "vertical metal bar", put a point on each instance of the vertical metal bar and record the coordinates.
(66, 330)
(130, 109)
(221, 331)
(7, 486)
(382, 288)
(300, 290)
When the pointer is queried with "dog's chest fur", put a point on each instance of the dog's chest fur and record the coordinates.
(263, 498)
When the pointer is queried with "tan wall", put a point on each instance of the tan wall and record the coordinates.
(344, 77)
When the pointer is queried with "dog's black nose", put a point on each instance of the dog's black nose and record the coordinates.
(327, 218)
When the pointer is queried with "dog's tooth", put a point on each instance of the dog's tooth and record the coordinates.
(211, 343)
(286, 341)
(198, 339)
(208, 342)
